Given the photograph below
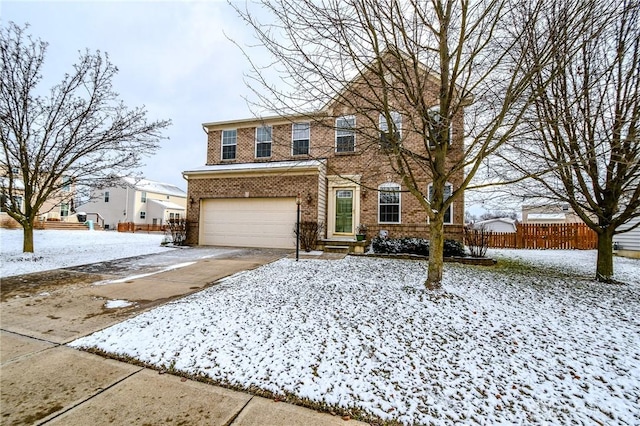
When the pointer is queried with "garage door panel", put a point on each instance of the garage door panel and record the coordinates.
(249, 222)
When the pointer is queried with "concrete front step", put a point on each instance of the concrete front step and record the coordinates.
(336, 249)
(342, 246)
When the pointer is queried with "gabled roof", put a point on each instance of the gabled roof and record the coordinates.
(155, 187)
(167, 204)
(395, 55)
(323, 111)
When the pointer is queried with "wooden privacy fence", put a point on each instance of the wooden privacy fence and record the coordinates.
(547, 236)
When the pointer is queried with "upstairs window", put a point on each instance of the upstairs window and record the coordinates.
(389, 203)
(143, 197)
(390, 128)
(263, 141)
(229, 143)
(106, 196)
(300, 135)
(346, 134)
(448, 190)
(6, 205)
(66, 183)
(435, 125)
(143, 215)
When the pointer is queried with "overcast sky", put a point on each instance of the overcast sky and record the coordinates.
(173, 57)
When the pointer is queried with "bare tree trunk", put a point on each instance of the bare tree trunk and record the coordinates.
(27, 243)
(436, 248)
(604, 265)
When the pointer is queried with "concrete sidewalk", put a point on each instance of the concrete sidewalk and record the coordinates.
(44, 382)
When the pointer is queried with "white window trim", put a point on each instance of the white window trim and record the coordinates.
(397, 120)
(293, 140)
(380, 190)
(345, 117)
(222, 145)
(255, 153)
(450, 206)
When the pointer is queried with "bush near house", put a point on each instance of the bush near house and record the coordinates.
(309, 233)
(419, 246)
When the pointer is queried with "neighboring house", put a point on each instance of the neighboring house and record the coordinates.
(5, 220)
(62, 207)
(549, 213)
(59, 207)
(628, 244)
(255, 170)
(502, 225)
(140, 201)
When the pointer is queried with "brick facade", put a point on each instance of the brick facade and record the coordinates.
(369, 162)
(260, 186)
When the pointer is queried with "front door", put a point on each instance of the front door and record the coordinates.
(344, 211)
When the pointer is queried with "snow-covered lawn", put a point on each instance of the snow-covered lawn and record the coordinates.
(506, 345)
(58, 249)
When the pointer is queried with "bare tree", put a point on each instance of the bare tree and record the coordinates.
(78, 135)
(583, 148)
(433, 62)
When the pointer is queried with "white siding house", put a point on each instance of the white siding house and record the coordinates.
(497, 225)
(628, 243)
(549, 213)
(138, 201)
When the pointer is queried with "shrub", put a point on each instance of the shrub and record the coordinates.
(177, 231)
(418, 246)
(453, 248)
(477, 240)
(309, 234)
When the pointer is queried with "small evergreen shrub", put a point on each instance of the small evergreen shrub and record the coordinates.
(453, 248)
(417, 246)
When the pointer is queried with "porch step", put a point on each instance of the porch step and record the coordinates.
(336, 249)
(342, 246)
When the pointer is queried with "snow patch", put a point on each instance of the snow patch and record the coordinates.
(56, 249)
(115, 304)
(139, 276)
(498, 347)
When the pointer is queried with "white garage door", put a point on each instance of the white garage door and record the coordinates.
(248, 222)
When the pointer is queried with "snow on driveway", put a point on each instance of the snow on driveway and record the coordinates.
(59, 249)
(537, 346)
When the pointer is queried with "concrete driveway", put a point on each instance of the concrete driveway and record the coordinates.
(44, 382)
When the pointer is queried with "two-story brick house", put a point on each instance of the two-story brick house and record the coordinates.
(334, 160)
